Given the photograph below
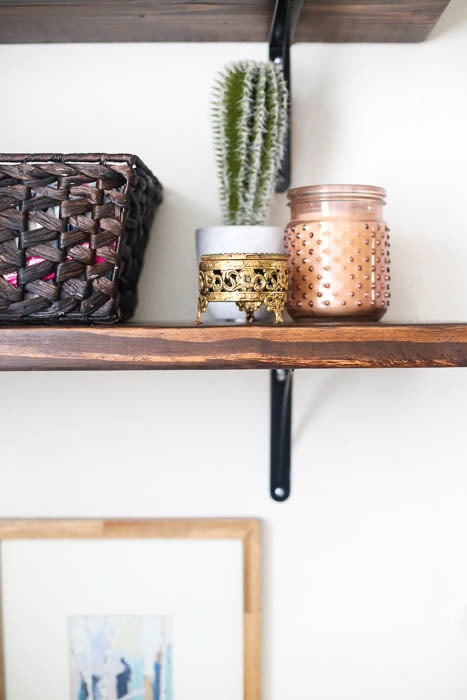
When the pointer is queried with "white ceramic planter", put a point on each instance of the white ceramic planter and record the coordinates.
(211, 240)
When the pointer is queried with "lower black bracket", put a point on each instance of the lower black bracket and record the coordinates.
(281, 419)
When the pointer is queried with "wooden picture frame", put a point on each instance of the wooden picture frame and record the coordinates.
(246, 530)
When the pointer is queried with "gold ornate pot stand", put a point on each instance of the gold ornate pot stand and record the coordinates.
(249, 280)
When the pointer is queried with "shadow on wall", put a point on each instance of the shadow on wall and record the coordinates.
(427, 281)
(168, 288)
(324, 391)
(454, 16)
(313, 120)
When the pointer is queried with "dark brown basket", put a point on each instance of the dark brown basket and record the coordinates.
(73, 229)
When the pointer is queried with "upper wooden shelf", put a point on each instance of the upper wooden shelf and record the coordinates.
(45, 21)
(257, 346)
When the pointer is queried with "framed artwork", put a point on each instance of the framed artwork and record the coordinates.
(159, 609)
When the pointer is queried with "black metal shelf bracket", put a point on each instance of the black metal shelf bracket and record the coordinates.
(284, 21)
(281, 419)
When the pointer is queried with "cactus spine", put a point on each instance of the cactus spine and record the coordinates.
(249, 113)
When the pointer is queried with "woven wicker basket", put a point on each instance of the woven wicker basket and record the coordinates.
(73, 229)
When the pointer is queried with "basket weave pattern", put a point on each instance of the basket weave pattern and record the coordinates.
(73, 230)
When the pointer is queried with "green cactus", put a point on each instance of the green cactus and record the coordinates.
(249, 114)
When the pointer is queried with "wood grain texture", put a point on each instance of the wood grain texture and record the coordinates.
(245, 529)
(368, 21)
(233, 347)
(33, 21)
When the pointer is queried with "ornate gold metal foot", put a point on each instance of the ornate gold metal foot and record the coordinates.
(202, 306)
(276, 304)
(249, 307)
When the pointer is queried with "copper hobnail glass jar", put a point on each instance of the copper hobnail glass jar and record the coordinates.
(337, 246)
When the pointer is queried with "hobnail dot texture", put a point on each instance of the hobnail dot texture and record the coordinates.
(338, 269)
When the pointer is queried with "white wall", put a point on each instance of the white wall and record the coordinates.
(365, 574)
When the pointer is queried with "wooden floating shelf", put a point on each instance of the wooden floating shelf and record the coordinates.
(45, 21)
(291, 346)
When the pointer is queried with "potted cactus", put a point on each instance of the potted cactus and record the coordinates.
(249, 117)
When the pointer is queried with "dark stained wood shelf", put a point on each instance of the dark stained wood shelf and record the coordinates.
(291, 346)
(45, 21)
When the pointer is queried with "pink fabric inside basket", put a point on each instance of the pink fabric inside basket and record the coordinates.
(12, 277)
